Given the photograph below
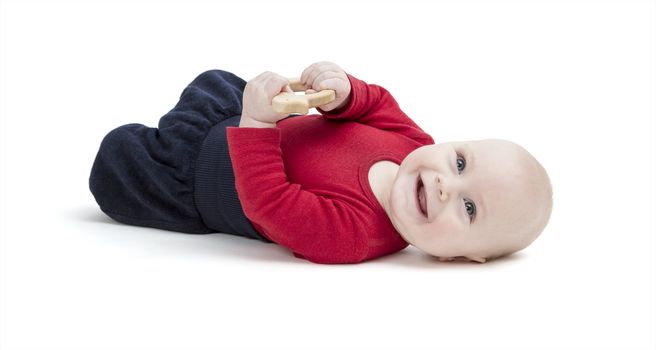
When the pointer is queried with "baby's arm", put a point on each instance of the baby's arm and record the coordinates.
(321, 228)
(365, 103)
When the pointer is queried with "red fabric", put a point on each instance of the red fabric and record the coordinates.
(304, 184)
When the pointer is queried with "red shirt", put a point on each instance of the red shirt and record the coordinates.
(304, 184)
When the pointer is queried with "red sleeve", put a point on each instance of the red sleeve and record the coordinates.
(373, 105)
(323, 230)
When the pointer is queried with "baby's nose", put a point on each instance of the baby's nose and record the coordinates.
(440, 188)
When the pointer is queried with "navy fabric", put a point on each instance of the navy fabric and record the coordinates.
(215, 185)
(146, 176)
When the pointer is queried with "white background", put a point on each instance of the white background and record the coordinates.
(572, 81)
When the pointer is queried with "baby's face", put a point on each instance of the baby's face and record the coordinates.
(467, 199)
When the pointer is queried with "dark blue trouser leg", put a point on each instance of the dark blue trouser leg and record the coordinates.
(145, 176)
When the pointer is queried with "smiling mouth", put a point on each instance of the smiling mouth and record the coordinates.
(421, 197)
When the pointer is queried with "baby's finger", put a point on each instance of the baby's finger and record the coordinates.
(311, 68)
(275, 84)
(305, 76)
(263, 79)
(323, 76)
(314, 72)
(306, 73)
(333, 84)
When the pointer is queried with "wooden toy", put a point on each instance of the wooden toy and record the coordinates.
(289, 103)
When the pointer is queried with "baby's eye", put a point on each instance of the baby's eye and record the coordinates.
(461, 163)
(471, 209)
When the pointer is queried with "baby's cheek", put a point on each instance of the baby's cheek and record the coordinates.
(445, 227)
(415, 159)
(432, 236)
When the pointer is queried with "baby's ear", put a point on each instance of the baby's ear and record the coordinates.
(461, 259)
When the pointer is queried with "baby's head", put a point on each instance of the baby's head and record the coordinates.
(475, 200)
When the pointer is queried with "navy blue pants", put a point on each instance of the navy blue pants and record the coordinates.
(177, 176)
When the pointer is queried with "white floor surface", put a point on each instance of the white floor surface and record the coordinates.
(572, 81)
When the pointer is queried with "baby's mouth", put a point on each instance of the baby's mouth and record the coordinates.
(421, 196)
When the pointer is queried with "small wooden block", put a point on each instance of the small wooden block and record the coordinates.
(289, 103)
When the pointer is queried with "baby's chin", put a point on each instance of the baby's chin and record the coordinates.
(430, 247)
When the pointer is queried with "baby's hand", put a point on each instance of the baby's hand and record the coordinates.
(327, 75)
(258, 93)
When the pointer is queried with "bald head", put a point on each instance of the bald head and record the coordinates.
(523, 197)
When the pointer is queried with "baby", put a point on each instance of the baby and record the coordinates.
(359, 181)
